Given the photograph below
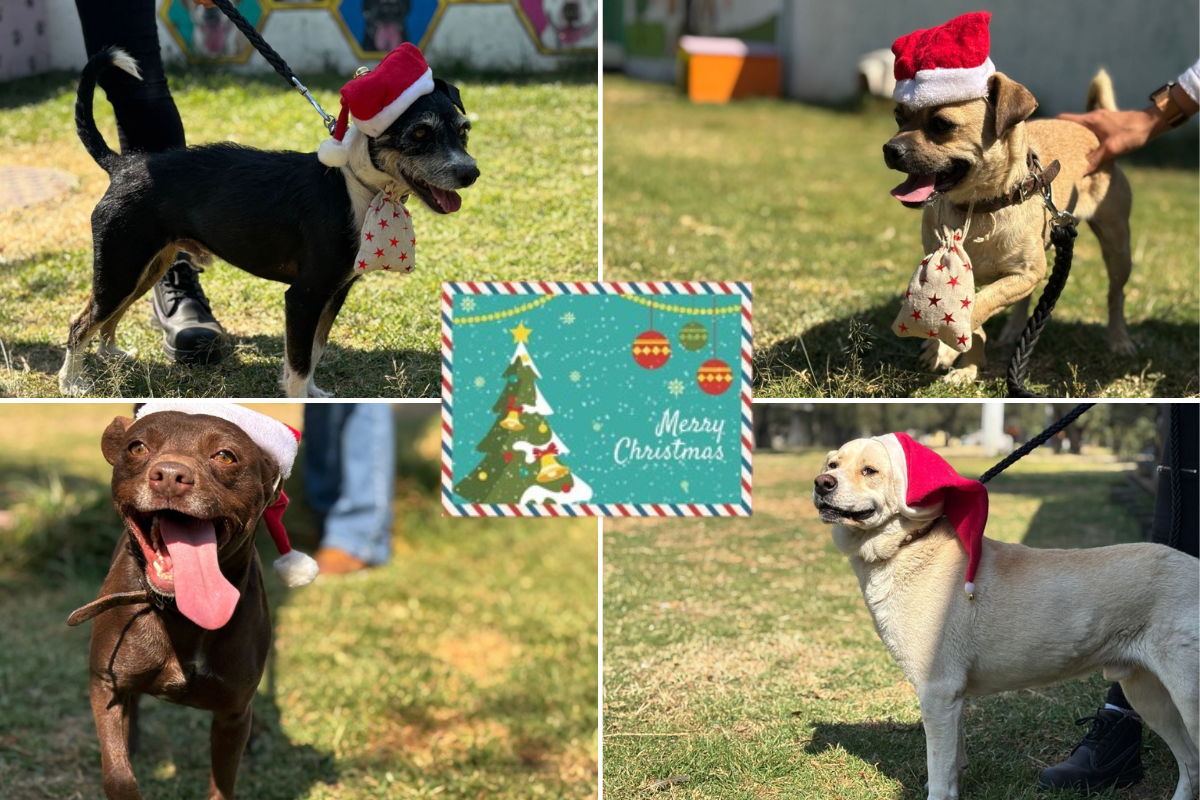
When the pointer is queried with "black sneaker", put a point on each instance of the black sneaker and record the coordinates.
(191, 334)
(1110, 754)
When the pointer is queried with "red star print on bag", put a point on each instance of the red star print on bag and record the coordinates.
(387, 242)
(944, 288)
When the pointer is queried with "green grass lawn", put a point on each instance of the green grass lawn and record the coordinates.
(741, 655)
(465, 668)
(532, 215)
(795, 199)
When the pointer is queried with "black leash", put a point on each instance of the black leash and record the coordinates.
(1062, 236)
(1035, 442)
(273, 58)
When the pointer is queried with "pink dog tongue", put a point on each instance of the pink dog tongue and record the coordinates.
(201, 591)
(916, 189)
(448, 199)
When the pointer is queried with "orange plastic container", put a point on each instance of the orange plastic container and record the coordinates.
(719, 69)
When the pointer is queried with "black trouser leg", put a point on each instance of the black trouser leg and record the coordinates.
(147, 119)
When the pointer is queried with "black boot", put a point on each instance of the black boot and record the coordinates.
(191, 334)
(1109, 754)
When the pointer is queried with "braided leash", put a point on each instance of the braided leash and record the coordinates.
(272, 58)
(1062, 236)
(1176, 477)
(1035, 442)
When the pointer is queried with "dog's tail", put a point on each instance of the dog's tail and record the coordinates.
(85, 122)
(1100, 93)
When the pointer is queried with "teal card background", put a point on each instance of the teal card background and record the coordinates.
(582, 346)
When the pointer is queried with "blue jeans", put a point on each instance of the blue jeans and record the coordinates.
(350, 475)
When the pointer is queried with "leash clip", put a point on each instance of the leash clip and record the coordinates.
(1062, 219)
(330, 121)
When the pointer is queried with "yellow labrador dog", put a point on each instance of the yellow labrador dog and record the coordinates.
(1037, 617)
(979, 151)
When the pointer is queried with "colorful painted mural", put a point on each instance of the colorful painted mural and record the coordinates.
(562, 26)
(206, 35)
(376, 27)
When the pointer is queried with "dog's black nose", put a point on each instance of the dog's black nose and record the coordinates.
(892, 153)
(171, 478)
(571, 12)
(466, 175)
(825, 483)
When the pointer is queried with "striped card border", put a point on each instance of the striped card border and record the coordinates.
(450, 290)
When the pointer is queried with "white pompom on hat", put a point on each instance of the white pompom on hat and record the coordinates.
(946, 64)
(376, 99)
(278, 440)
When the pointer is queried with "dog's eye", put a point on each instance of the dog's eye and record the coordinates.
(420, 132)
(462, 132)
(138, 449)
(833, 465)
(899, 117)
(225, 457)
(941, 125)
(869, 471)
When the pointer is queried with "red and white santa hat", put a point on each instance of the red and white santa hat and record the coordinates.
(376, 99)
(946, 64)
(278, 440)
(931, 487)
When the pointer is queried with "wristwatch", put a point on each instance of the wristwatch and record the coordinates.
(1170, 111)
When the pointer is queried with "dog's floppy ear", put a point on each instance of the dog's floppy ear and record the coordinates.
(113, 438)
(451, 91)
(1011, 102)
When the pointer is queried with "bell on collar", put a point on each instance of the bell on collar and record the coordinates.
(358, 73)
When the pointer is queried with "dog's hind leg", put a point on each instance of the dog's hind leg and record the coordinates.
(1154, 703)
(941, 714)
(228, 737)
(1110, 223)
(303, 311)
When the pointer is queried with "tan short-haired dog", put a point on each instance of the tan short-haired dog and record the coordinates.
(1038, 616)
(979, 150)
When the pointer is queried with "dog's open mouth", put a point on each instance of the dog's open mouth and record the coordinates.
(831, 513)
(180, 553)
(443, 201)
(921, 188)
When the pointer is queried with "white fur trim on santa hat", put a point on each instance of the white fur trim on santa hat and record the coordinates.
(270, 434)
(333, 153)
(935, 87)
(899, 463)
(392, 111)
(296, 569)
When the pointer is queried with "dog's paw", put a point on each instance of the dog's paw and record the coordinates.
(110, 352)
(75, 386)
(317, 391)
(962, 375)
(1122, 345)
(937, 356)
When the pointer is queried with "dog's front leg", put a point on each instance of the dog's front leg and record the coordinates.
(230, 732)
(112, 715)
(941, 714)
(303, 311)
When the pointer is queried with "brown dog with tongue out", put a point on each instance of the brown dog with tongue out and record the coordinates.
(963, 138)
(182, 613)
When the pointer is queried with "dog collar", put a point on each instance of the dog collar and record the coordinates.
(387, 241)
(921, 534)
(1035, 183)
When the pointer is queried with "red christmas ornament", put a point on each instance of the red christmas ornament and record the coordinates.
(566, 487)
(714, 376)
(507, 457)
(651, 350)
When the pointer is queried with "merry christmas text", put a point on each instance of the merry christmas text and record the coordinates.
(674, 427)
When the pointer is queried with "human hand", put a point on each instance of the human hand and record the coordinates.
(1119, 132)
(205, 3)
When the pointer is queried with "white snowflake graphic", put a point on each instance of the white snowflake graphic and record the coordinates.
(596, 426)
(468, 304)
(479, 382)
(675, 387)
(568, 318)
(575, 376)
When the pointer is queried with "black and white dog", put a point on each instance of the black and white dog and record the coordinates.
(279, 215)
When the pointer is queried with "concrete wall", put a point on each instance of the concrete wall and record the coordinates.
(490, 36)
(1053, 48)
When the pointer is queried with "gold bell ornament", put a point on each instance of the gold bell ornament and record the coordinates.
(550, 470)
(513, 421)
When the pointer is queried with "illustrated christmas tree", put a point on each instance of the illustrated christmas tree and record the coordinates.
(521, 452)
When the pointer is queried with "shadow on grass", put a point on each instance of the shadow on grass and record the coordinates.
(857, 355)
(416, 372)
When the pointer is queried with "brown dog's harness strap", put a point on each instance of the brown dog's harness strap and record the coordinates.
(1037, 182)
(98, 607)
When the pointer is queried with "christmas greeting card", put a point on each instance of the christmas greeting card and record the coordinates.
(596, 399)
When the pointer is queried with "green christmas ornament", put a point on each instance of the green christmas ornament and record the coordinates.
(694, 336)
